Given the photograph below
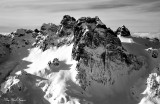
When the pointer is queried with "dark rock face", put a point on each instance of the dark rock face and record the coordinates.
(91, 32)
(52, 35)
(123, 31)
(68, 21)
(99, 51)
(36, 31)
(55, 62)
(67, 25)
(49, 28)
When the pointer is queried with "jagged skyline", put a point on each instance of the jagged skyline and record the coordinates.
(138, 15)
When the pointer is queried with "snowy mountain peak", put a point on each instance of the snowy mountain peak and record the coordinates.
(78, 62)
(123, 31)
(68, 21)
(52, 35)
(95, 48)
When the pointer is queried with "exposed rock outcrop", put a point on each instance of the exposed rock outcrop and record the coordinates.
(123, 31)
(55, 62)
(49, 28)
(153, 52)
(52, 35)
(99, 53)
(67, 25)
(16, 40)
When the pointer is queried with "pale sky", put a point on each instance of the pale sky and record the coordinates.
(137, 15)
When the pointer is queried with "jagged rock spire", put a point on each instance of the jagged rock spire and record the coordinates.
(123, 31)
(67, 25)
(68, 21)
(95, 47)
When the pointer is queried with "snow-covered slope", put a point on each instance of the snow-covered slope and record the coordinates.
(77, 62)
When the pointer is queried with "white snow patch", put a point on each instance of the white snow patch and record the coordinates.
(125, 39)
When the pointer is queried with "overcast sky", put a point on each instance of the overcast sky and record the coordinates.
(137, 15)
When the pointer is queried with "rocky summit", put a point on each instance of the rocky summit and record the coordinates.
(99, 51)
(52, 35)
(123, 31)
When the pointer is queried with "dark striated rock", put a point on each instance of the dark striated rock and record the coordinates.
(123, 31)
(91, 32)
(52, 35)
(68, 21)
(95, 48)
(67, 25)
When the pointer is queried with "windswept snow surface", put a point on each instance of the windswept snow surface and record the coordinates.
(49, 80)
